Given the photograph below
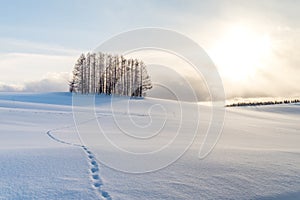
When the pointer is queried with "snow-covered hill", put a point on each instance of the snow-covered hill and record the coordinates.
(43, 157)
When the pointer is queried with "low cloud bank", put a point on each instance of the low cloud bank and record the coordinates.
(52, 82)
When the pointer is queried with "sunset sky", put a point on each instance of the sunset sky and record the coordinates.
(254, 44)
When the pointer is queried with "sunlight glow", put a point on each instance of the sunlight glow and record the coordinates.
(240, 53)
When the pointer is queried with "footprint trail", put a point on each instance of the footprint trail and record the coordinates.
(94, 170)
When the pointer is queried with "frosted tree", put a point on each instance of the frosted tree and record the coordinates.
(146, 83)
(76, 84)
(87, 74)
(93, 73)
(100, 77)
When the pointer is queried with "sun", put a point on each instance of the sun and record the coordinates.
(240, 52)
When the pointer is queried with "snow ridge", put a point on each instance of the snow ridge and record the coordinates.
(93, 170)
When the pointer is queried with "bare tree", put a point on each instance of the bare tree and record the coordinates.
(93, 73)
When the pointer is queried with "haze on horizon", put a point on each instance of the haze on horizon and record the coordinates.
(254, 44)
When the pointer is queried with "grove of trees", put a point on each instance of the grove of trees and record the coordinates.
(97, 73)
(263, 103)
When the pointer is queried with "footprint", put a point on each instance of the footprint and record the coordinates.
(105, 195)
(94, 169)
(94, 163)
(97, 185)
(96, 177)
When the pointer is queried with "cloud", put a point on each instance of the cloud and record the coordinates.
(10, 88)
(22, 61)
(52, 82)
(23, 67)
(11, 45)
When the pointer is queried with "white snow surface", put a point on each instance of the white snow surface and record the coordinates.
(42, 157)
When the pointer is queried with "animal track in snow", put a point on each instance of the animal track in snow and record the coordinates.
(94, 170)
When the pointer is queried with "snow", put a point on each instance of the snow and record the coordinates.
(43, 157)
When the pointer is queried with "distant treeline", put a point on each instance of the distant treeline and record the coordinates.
(97, 73)
(263, 103)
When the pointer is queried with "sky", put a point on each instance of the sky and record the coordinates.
(254, 44)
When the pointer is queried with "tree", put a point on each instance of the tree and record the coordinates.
(146, 83)
(136, 79)
(72, 86)
(87, 73)
(100, 77)
(93, 73)
(76, 84)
